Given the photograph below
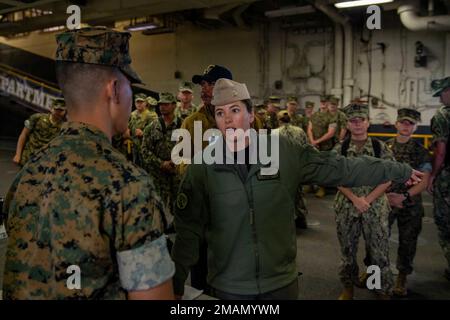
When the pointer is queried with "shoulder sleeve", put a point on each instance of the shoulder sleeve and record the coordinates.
(30, 123)
(136, 228)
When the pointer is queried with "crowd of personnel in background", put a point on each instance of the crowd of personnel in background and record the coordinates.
(176, 194)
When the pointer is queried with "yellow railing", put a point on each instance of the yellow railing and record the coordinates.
(426, 137)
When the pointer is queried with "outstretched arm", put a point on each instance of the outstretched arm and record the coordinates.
(329, 168)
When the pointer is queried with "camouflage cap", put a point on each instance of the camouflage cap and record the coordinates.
(355, 110)
(324, 98)
(152, 101)
(212, 73)
(439, 85)
(140, 97)
(227, 91)
(309, 104)
(408, 114)
(97, 45)
(333, 100)
(186, 86)
(59, 104)
(166, 97)
(291, 99)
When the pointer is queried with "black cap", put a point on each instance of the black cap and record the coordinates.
(212, 73)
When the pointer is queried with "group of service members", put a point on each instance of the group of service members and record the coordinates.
(79, 201)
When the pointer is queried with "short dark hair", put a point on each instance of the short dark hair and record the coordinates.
(248, 104)
(82, 83)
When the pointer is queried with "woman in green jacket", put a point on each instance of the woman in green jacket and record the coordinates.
(246, 212)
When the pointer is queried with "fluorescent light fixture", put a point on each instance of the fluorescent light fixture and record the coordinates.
(358, 3)
(140, 27)
(289, 11)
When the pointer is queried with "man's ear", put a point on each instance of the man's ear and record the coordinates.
(112, 90)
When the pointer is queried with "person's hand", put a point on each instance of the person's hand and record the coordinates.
(16, 159)
(430, 187)
(416, 177)
(396, 199)
(138, 133)
(361, 204)
(314, 143)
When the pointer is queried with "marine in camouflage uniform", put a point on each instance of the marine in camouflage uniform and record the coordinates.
(320, 126)
(339, 118)
(309, 108)
(373, 223)
(273, 107)
(156, 154)
(139, 119)
(297, 136)
(185, 107)
(321, 122)
(409, 218)
(80, 202)
(291, 107)
(440, 176)
(39, 130)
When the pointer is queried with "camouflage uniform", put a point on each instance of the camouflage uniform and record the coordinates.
(341, 122)
(440, 127)
(80, 202)
(372, 223)
(409, 219)
(139, 120)
(183, 113)
(297, 120)
(321, 121)
(156, 148)
(42, 130)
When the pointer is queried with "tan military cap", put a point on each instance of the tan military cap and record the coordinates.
(228, 91)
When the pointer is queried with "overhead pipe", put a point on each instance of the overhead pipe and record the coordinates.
(348, 80)
(338, 60)
(412, 21)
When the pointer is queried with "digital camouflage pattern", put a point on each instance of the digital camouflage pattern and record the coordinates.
(184, 113)
(80, 202)
(440, 127)
(341, 123)
(42, 130)
(97, 45)
(139, 120)
(296, 120)
(439, 85)
(373, 224)
(304, 123)
(409, 219)
(156, 148)
(321, 121)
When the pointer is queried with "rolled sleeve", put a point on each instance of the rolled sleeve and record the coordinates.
(145, 267)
